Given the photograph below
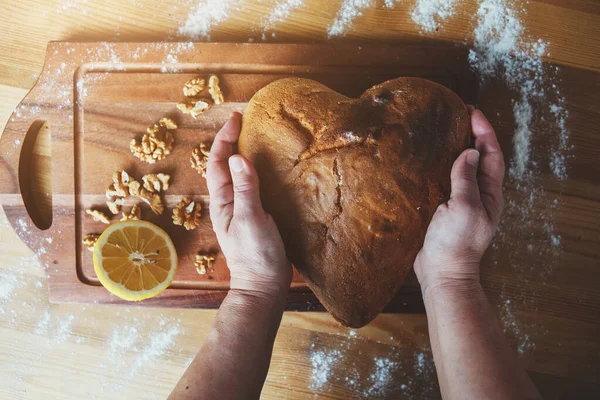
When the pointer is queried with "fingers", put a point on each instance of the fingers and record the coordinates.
(245, 187)
(464, 177)
(491, 170)
(218, 177)
(485, 137)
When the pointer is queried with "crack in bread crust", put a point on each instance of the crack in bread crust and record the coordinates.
(338, 189)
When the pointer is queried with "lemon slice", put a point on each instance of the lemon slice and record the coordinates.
(135, 260)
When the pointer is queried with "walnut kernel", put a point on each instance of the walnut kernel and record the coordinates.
(152, 199)
(203, 263)
(215, 90)
(199, 158)
(193, 87)
(98, 216)
(186, 105)
(156, 183)
(120, 184)
(115, 204)
(134, 214)
(156, 144)
(199, 107)
(187, 213)
(168, 123)
(90, 240)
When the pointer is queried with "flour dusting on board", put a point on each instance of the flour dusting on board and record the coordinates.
(348, 12)
(429, 15)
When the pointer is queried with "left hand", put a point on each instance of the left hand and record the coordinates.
(247, 235)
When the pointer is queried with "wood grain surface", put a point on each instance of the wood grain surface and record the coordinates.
(548, 301)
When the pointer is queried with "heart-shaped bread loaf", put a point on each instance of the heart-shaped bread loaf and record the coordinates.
(352, 183)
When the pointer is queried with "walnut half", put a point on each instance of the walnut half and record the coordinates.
(215, 90)
(203, 263)
(193, 87)
(90, 240)
(199, 158)
(152, 199)
(98, 216)
(194, 107)
(134, 214)
(117, 191)
(187, 213)
(156, 183)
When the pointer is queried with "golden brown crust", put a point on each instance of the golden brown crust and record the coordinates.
(353, 183)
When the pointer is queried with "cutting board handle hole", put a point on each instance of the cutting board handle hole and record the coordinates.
(35, 174)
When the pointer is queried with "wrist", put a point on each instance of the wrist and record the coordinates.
(460, 280)
(251, 300)
(263, 287)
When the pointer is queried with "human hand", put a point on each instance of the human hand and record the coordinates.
(247, 235)
(461, 229)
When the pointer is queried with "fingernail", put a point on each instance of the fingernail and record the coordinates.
(236, 164)
(473, 157)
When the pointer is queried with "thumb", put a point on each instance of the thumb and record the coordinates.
(246, 196)
(464, 177)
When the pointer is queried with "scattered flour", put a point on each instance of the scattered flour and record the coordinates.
(348, 12)
(205, 15)
(322, 363)
(43, 323)
(516, 330)
(63, 329)
(429, 14)
(280, 12)
(122, 339)
(168, 64)
(69, 4)
(503, 51)
(500, 49)
(161, 340)
(381, 377)
(390, 3)
(9, 282)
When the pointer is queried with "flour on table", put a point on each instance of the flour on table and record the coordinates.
(206, 15)
(428, 15)
(63, 329)
(382, 376)
(515, 329)
(500, 49)
(280, 12)
(322, 363)
(43, 323)
(348, 12)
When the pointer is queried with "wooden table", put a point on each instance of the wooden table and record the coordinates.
(74, 352)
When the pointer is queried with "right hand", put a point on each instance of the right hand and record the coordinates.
(462, 229)
(247, 235)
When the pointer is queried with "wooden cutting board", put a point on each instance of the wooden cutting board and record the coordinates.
(96, 97)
